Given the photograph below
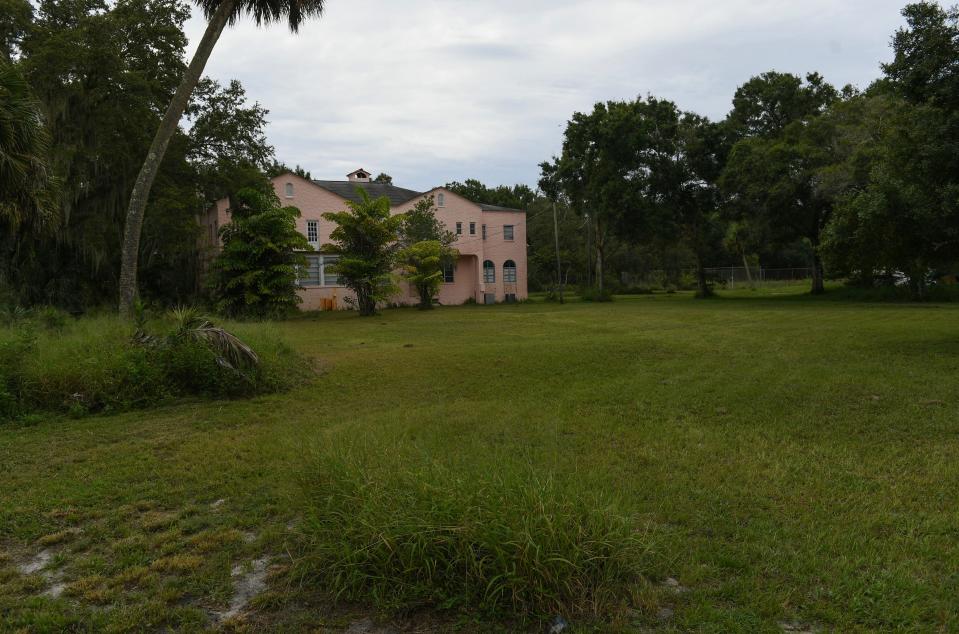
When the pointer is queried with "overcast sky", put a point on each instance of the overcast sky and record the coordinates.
(432, 91)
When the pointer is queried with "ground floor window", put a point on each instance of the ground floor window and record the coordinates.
(509, 272)
(448, 272)
(318, 271)
(489, 272)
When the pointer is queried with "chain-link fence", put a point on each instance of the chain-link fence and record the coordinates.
(730, 277)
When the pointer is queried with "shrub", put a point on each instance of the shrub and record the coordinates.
(381, 526)
(590, 294)
(636, 290)
(94, 365)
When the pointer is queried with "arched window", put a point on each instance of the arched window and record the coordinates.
(489, 272)
(509, 272)
(441, 199)
(289, 190)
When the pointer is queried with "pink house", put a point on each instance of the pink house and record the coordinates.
(491, 240)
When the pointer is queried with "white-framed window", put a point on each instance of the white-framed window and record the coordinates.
(489, 272)
(484, 232)
(310, 275)
(441, 199)
(318, 271)
(509, 272)
(312, 232)
(449, 270)
(289, 190)
(330, 278)
(459, 228)
(472, 228)
(508, 232)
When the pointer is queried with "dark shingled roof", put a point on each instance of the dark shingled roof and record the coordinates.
(496, 208)
(347, 189)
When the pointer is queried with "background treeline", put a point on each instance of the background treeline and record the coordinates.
(101, 74)
(854, 184)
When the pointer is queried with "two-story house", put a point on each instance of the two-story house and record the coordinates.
(491, 240)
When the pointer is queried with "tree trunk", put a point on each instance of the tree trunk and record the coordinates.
(559, 265)
(600, 252)
(365, 300)
(749, 273)
(151, 165)
(818, 288)
(703, 291)
(426, 297)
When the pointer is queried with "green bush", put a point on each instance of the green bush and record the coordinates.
(590, 294)
(636, 290)
(94, 365)
(383, 527)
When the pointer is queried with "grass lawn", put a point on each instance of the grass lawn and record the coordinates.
(791, 463)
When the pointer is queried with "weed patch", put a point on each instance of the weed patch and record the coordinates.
(381, 526)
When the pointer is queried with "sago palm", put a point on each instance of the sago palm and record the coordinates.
(219, 13)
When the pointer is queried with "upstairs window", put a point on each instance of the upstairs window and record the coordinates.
(484, 232)
(448, 270)
(459, 228)
(472, 228)
(441, 199)
(489, 272)
(509, 272)
(508, 232)
(312, 233)
(289, 190)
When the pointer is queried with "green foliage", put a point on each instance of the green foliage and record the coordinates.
(924, 67)
(766, 104)
(511, 197)
(898, 212)
(422, 265)
(385, 527)
(227, 138)
(95, 365)
(29, 191)
(365, 238)
(255, 273)
(420, 224)
(104, 72)
(426, 250)
(592, 294)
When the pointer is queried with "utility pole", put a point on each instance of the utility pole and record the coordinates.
(559, 266)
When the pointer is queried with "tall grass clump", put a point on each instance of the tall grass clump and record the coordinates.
(100, 364)
(386, 526)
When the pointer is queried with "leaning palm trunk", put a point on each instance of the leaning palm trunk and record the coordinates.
(144, 182)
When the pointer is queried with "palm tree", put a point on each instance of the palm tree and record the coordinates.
(219, 13)
(28, 190)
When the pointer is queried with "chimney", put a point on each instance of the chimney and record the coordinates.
(359, 176)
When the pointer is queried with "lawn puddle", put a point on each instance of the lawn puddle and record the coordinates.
(36, 563)
(673, 585)
(366, 626)
(248, 582)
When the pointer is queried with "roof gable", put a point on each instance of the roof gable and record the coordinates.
(482, 206)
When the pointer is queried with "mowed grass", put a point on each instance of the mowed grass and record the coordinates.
(784, 461)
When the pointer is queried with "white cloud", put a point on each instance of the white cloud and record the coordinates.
(432, 91)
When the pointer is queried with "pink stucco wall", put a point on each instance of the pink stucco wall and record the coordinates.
(313, 201)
